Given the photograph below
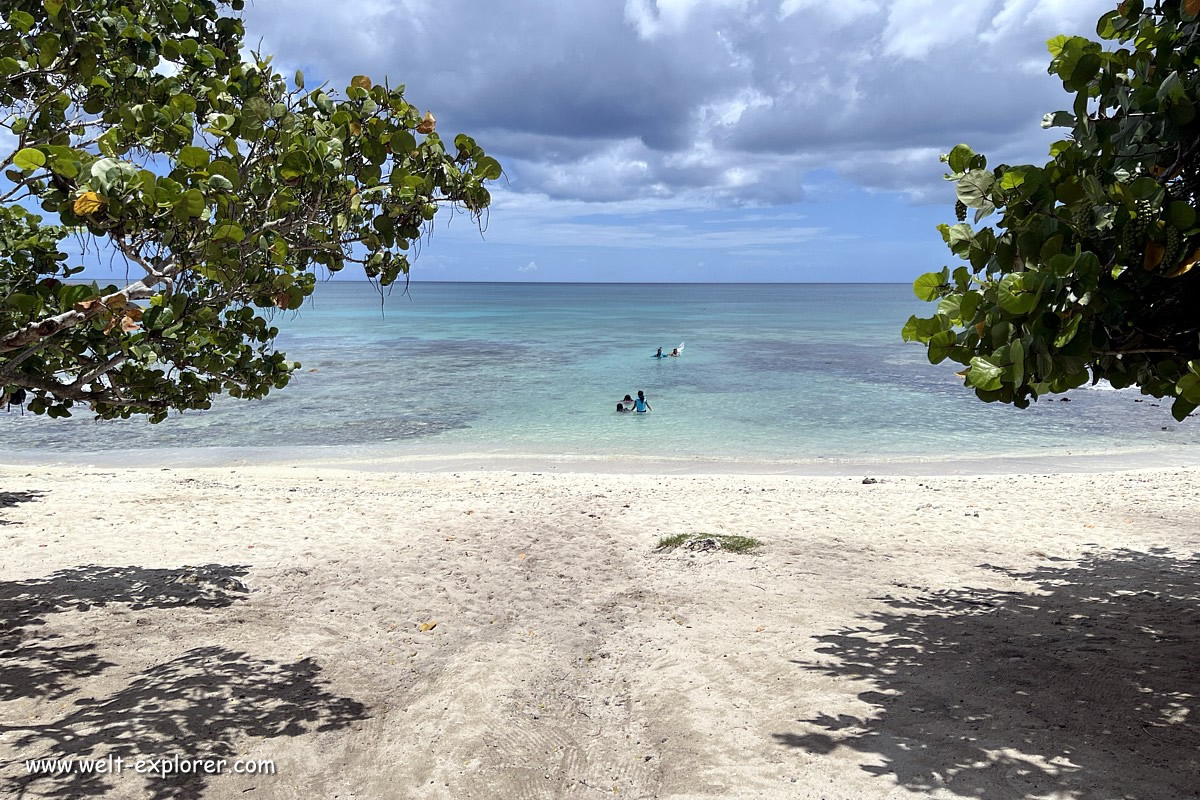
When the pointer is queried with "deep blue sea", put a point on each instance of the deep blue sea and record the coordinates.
(796, 372)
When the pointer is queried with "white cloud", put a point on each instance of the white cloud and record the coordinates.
(915, 27)
(530, 267)
(521, 218)
(709, 102)
(652, 18)
(841, 12)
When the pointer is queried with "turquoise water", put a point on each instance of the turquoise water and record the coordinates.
(791, 372)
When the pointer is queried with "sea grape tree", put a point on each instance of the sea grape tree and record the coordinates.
(139, 133)
(1090, 271)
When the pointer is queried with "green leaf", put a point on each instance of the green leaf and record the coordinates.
(1057, 44)
(28, 159)
(184, 103)
(1013, 179)
(951, 307)
(1085, 69)
(1172, 88)
(21, 21)
(970, 305)
(65, 165)
(985, 375)
(193, 157)
(299, 79)
(1188, 387)
(488, 168)
(940, 345)
(110, 143)
(402, 142)
(960, 158)
(975, 187)
(1067, 332)
(230, 231)
(1018, 292)
(1181, 215)
(256, 113)
(918, 329)
(295, 164)
(192, 203)
(1016, 354)
(24, 303)
(929, 286)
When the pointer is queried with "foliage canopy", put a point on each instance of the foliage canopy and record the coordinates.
(146, 137)
(1090, 272)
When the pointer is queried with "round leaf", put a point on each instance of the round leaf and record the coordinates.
(29, 158)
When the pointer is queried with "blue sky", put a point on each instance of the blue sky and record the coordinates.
(700, 140)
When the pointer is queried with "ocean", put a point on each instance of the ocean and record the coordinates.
(781, 372)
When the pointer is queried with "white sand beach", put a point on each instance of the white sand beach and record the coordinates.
(987, 637)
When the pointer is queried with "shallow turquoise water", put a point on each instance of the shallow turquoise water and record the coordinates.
(792, 372)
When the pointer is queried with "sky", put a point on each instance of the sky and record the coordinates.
(700, 140)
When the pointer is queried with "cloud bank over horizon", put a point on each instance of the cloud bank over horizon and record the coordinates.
(727, 102)
(701, 139)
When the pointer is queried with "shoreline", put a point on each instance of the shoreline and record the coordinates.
(375, 460)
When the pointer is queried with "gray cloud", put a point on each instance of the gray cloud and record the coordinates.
(728, 102)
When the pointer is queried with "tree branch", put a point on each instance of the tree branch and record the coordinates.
(48, 326)
(1137, 351)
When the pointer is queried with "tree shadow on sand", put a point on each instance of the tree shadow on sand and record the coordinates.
(12, 499)
(1085, 686)
(196, 705)
(36, 664)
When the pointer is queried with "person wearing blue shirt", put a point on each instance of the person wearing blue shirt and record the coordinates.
(640, 405)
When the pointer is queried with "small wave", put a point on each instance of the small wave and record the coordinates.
(1104, 386)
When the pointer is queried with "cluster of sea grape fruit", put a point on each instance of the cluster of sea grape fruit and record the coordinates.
(1145, 215)
(1082, 218)
(1133, 236)
(960, 211)
(1173, 247)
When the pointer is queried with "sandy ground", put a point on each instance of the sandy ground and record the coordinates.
(987, 638)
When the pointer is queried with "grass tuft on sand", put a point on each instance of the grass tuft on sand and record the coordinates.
(708, 541)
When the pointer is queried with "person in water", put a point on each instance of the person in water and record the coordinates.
(628, 401)
(621, 409)
(675, 353)
(640, 405)
(659, 353)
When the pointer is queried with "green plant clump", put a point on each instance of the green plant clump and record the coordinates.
(142, 132)
(1090, 271)
(732, 544)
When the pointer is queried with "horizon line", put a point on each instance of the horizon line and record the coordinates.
(600, 283)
